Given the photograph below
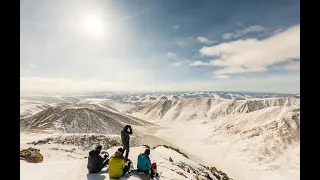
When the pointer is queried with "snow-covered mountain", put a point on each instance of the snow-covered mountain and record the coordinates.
(207, 108)
(249, 136)
(65, 162)
(28, 108)
(79, 118)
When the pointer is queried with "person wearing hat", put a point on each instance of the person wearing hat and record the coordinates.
(117, 165)
(95, 161)
(144, 163)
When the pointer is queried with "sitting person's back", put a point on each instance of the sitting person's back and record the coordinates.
(144, 164)
(116, 164)
(95, 161)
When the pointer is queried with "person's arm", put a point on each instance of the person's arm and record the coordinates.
(148, 163)
(127, 131)
(130, 130)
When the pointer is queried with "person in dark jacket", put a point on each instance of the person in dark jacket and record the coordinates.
(95, 161)
(144, 163)
(125, 138)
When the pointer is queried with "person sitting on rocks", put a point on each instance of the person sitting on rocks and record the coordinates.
(117, 165)
(95, 161)
(144, 163)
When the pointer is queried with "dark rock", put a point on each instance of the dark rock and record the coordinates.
(31, 155)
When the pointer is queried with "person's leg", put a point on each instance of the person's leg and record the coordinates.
(127, 151)
(126, 168)
(152, 173)
(105, 162)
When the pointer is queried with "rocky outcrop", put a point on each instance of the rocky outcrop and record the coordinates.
(172, 148)
(31, 155)
(84, 141)
(218, 174)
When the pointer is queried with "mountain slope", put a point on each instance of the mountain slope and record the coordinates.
(206, 108)
(74, 118)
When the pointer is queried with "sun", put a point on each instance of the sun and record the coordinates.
(93, 25)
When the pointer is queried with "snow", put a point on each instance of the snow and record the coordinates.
(60, 164)
(247, 139)
(233, 154)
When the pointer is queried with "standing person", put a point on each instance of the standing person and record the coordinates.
(144, 164)
(95, 161)
(125, 138)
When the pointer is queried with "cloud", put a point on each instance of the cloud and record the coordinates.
(205, 40)
(252, 54)
(49, 85)
(290, 65)
(170, 55)
(181, 63)
(176, 26)
(200, 63)
(268, 83)
(176, 64)
(221, 76)
(239, 33)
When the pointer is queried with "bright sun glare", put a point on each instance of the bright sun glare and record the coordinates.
(93, 25)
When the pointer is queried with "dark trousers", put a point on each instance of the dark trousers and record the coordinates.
(149, 172)
(105, 162)
(126, 168)
(126, 149)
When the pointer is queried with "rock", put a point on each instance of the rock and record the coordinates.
(188, 170)
(180, 173)
(170, 159)
(206, 175)
(31, 155)
(213, 169)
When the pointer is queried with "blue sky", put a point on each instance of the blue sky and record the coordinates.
(146, 45)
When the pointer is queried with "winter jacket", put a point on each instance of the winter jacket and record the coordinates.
(125, 137)
(116, 165)
(143, 162)
(94, 161)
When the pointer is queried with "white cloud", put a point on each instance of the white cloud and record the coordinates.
(271, 83)
(176, 26)
(221, 76)
(252, 54)
(278, 30)
(48, 85)
(170, 55)
(239, 33)
(291, 65)
(181, 63)
(205, 40)
(200, 63)
(176, 64)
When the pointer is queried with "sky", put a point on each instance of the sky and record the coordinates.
(147, 45)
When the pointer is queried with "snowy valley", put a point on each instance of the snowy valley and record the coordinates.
(222, 135)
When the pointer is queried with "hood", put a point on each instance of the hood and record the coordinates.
(93, 153)
(118, 154)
